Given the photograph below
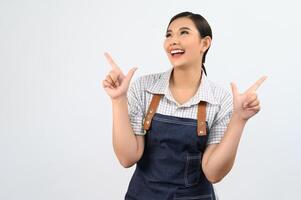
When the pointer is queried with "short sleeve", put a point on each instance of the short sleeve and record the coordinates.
(135, 107)
(221, 121)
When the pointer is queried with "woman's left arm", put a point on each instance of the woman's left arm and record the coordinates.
(218, 159)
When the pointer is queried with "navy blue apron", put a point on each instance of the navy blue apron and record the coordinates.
(170, 167)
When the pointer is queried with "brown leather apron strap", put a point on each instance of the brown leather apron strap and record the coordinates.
(151, 111)
(201, 118)
(201, 115)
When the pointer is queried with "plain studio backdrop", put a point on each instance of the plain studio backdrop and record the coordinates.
(56, 119)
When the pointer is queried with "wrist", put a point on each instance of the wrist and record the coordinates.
(119, 100)
(238, 118)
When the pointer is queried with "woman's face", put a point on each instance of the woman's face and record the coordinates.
(183, 43)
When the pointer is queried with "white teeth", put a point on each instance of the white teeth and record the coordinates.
(177, 51)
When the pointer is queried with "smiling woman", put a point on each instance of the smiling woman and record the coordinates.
(180, 129)
(196, 27)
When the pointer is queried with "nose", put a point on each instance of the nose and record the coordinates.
(174, 42)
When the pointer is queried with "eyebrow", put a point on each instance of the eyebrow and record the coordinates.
(182, 28)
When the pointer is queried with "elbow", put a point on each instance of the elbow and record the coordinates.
(215, 175)
(214, 179)
(126, 163)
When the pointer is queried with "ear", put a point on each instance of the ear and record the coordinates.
(205, 43)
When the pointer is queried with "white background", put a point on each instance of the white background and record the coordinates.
(56, 120)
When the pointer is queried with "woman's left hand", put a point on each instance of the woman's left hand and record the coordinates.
(246, 105)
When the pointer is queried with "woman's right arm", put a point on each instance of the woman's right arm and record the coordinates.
(128, 147)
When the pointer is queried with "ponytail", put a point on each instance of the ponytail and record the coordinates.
(203, 67)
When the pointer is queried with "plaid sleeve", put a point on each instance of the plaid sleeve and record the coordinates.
(221, 120)
(135, 107)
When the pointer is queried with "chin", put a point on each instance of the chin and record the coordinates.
(178, 64)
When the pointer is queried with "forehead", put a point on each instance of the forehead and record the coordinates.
(181, 22)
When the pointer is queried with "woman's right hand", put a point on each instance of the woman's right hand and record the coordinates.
(116, 83)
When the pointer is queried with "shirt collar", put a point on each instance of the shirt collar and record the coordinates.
(204, 92)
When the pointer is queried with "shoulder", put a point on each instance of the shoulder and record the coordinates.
(220, 94)
(222, 110)
(138, 93)
(145, 82)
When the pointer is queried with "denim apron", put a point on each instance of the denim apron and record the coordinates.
(170, 167)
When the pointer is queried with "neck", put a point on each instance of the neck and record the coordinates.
(187, 78)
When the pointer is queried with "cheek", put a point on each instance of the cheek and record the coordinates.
(165, 46)
(195, 47)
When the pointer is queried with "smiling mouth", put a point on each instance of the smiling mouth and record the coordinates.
(177, 52)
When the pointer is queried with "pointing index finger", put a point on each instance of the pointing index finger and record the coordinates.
(111, 61)
(257, 84)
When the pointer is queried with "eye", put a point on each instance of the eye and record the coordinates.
(167, 35)
(184, 32)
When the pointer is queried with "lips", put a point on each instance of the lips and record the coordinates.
(177, 52)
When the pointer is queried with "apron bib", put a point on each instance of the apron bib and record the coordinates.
(170, 168)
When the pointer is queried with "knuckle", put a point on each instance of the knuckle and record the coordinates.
(111, 79)
(114, 72)
(113, 75)
(253, 95)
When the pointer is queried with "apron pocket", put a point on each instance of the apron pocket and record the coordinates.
(192, 169)
(196, 192)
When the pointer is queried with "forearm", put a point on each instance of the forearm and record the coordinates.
(221, 160)
(218, 159)
(124, 141)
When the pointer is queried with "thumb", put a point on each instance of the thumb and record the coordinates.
(234, 88)
(130, 74)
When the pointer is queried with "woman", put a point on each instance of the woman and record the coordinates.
(180, 129)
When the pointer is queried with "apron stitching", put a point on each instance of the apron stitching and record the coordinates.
(195, 197)
(175, 122)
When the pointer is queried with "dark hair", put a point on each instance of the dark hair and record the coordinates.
(202, 26)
